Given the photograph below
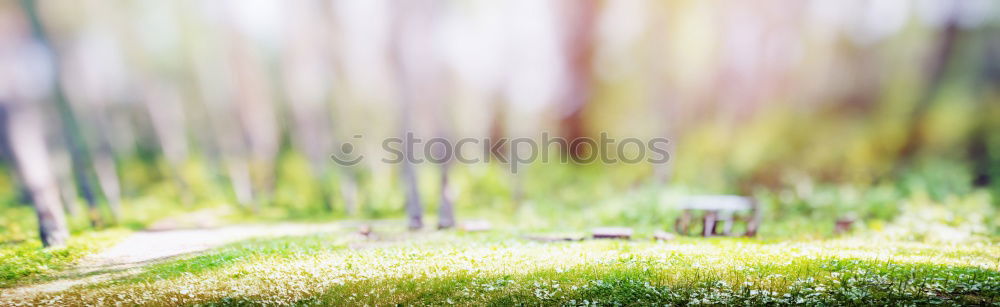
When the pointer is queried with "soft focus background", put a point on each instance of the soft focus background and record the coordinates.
(120, 113)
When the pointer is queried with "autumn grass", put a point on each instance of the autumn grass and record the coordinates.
(502, 268)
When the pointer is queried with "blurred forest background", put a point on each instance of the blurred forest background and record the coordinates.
(118, 113)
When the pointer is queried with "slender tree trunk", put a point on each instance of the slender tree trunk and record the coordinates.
(349, 192)
(414, 209)
(446, 207)
(446, 210)
(23, 137)
(256, 116)
(74, 140)
(445, 127)
(166, 112)
(226, 143)
(107, 176)
(411, 27)
(981, 150)
(581, 23)
(64, 178)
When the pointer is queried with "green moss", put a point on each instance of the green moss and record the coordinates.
(27, 260)
(443, 268)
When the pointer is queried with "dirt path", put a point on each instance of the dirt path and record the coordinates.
(143, 248)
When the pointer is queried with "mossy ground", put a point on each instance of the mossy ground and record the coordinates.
(504, 268)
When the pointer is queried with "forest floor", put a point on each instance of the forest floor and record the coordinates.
(170, 238)
(148, 247)
(335, 264)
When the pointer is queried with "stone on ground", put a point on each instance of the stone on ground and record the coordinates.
(612, 233)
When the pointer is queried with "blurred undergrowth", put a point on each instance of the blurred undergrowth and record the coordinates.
(554, 197)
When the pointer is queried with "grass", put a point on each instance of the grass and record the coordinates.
(502, 268)
(27, 260)
(797, 260)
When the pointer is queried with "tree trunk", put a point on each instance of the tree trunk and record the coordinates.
(446, 210)
(166, 112)
(414, 210)
(24, 138)
(74, 140)
(581, 25)
(107, 176)
(409, 55)
(349, 192)
(256, 117)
